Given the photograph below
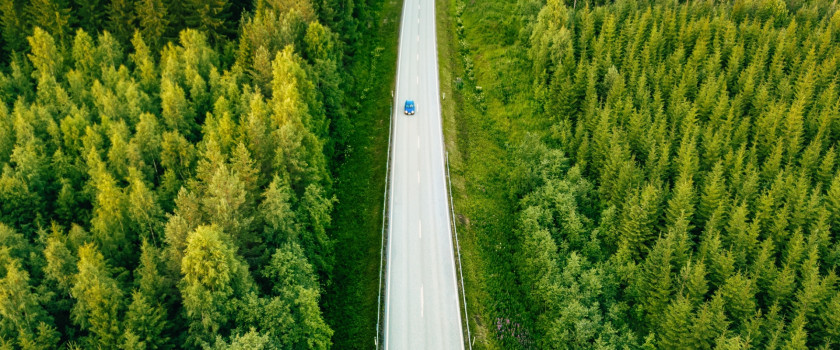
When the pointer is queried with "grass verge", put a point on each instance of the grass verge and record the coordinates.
(485, 112)
(350, 301)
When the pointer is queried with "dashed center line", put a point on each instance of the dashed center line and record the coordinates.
(418, 176)
(420, 228)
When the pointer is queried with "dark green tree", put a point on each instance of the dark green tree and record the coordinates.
(53, 16)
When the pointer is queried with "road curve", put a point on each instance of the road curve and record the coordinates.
(421, 297)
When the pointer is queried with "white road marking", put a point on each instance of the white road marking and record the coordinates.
(418, 79)
(418, 56)
(402, 327)
(421, 300)
(419, 225)
(418, 141)
(418, 176)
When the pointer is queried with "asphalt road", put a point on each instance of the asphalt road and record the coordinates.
(421, 297)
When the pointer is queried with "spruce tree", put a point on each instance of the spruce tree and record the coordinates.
(53, 16)
(99, 300)
(152, 20)
(14, 26)
(212, 277)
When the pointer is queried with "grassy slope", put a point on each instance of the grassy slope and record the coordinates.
(350, 302)
(477, 142)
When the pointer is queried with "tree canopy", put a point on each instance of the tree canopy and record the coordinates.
(165, 172)
(684, 193)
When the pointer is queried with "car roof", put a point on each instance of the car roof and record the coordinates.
(409, 101)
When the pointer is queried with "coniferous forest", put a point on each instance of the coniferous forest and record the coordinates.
(167, 170)
(689, 195)
(632, 173)
(672, 166)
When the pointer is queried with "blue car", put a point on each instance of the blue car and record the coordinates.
(409, 107)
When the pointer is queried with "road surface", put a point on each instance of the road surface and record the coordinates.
(421, 297)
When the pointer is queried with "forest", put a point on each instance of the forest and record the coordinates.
(167, 170)
(687, 194)
(671, 166)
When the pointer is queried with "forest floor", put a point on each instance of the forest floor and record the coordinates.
(350, 301)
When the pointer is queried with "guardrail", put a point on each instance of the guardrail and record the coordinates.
(458, 250)
(382, 257)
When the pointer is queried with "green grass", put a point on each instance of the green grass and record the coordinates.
(350, 301)
(478, 133)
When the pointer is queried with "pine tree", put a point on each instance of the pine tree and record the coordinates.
(825, 172)
(276, 210)
(248, 341)
(210, 17)
(639, 220)
(144, 212)
(694, 284)
(45, 56)
(829, 317)
(797, 336)
(294, 282)
(782, 286)
(674, 329)
(109, 224)
(832, 203)
(99, 299)
(21, 309)
(149, 280)
(314, 215)
(53, 16)
(145, 322)
(14, 26)
(681, 205)
(89, 14)
(15, 244)
(145, 70)
(152, 20)
(655, 281)
(120, 20)
(299, 151)
(709, 322)
(212, 276)
(738, 296)
(226, 206)
(713, 194)
(177, 113)
(61, 263)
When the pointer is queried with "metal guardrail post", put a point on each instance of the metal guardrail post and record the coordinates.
(458, 249)
(384, 224)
